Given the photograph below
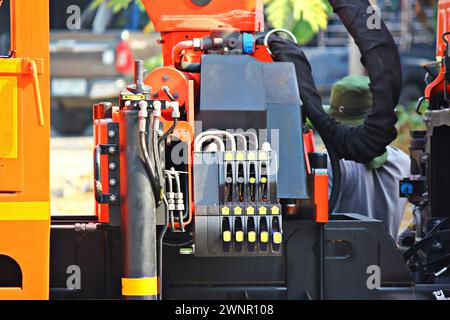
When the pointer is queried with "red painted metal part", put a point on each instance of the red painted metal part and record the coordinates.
(443, 26)
(321, 198)
(184, 15)
(177, 81)
(101, 137)
(309, 146)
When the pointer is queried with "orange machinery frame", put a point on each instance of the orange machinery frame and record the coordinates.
(24, 151)
(443, 27)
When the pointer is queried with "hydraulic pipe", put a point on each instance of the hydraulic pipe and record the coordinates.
(199, 145)
(177, 51)
(217, 133)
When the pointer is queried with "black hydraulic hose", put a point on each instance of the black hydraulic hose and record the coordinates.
(190, 67)
(154, 181)
(161, 239)
(156, 156)
(381, 58)
(169, 132)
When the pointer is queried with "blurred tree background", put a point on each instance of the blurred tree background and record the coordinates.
(304, 18)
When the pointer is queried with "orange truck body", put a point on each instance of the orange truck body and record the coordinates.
(24, 151)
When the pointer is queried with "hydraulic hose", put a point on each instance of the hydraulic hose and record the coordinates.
(381, 58)
(156, 156)
(156, 187)
(169, 132)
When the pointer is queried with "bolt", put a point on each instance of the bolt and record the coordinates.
(155, 95)
(176, 95)
(112, 182)
(111, 133)
(437, 245)
(166, 78)
(112, 166)
(112, 198)
(232, 43)
(112, 150)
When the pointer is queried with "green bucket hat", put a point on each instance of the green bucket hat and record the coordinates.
(351, 100)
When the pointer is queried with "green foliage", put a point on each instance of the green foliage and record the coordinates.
(408, 120)
(305, 18)
(153, 62)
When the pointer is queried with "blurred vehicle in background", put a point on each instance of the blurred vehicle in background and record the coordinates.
(93, 63)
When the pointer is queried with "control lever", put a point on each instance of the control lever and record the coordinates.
(241, 181)
(263, 183)
(252, 182)
(229, 183)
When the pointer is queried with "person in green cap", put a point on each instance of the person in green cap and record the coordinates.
(369, 189)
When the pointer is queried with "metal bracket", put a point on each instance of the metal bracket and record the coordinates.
(104, 149)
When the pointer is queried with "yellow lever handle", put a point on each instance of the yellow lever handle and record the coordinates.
(37, 93)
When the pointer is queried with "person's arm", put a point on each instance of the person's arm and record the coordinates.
(381, 58)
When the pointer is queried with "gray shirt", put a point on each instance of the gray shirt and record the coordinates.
(375, 193)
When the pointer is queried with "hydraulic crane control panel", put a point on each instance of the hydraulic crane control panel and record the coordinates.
(237, 210)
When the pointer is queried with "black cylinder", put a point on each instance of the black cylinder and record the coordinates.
(139, 280)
